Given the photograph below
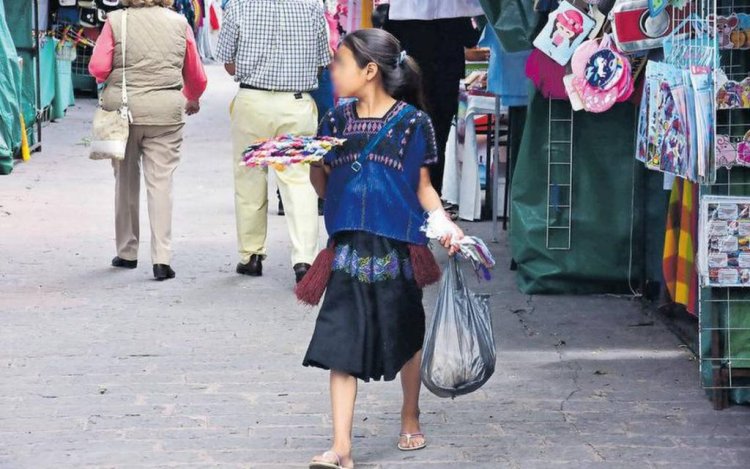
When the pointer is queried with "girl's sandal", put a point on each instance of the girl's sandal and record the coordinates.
(407, 446)
(328, 460)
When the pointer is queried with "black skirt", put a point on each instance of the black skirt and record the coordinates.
(372, 320)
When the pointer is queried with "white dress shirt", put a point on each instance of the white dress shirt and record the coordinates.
(433, 9)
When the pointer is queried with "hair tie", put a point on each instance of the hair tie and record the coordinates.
(401, 58)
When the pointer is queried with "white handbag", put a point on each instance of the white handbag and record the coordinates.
(111, 128)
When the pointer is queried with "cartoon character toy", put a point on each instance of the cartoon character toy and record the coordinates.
(568, 26)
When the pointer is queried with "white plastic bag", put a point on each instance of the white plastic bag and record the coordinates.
(459, 352)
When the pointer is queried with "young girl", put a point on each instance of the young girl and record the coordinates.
(377, 189)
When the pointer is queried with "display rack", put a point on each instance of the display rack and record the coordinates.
(559, 175)
(724, 312)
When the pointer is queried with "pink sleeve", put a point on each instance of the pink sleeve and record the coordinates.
(193, 73)
(100, 65)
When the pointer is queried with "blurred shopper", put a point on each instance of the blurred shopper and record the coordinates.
(162, 71)
(435, 33)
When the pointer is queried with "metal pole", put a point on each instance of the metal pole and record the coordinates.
(495, 164)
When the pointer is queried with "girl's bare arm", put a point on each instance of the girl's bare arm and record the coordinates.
(319, 178)
(430, 201)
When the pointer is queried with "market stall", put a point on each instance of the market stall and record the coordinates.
(665, 82)
(44, 82)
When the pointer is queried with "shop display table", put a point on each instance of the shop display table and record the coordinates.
(461, 180)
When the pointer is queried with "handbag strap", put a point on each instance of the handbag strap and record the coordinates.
(374, 141)
(124, 48)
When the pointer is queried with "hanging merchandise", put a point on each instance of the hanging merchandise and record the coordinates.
(679, 256)
(676, 121)
(601, 76)
(566, 28)
(546, 74)
(109, 5)
(691, 44)
(743, 150)
(733, 151)
(655, 7)
(187, 9)
(733, 31)
(635, 28)
(88, 14)
(731, 94)
(68, 15)
(724, 246)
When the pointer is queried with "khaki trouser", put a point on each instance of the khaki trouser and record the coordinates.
(158, 147)
(265, 114)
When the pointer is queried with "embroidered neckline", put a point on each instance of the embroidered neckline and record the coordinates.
(390, 113)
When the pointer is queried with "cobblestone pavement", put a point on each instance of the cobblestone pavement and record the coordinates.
(105, 368)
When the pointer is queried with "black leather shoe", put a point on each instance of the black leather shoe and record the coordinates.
(300, 270)
(124, 263)
(253, 268)
(163, 272)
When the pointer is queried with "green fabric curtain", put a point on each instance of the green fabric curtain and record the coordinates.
(604, 174)
(514, 21)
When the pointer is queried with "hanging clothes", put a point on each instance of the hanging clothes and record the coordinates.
(505, 76)
(187, 9)
(349, 13)
(680, 245)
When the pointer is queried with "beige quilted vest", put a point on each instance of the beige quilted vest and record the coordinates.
(154, 59)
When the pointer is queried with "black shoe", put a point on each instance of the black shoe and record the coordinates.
(300, 270)
(124, 263)
(163, 272)
(253, 268)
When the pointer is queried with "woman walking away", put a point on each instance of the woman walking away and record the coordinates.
(162, 70)
(377, 189)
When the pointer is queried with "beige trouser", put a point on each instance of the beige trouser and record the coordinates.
(158, 146)
(265, 114)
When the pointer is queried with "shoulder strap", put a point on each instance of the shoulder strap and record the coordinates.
(375, 140)
(124, 33)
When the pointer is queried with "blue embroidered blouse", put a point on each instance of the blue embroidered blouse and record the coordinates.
(381, 198)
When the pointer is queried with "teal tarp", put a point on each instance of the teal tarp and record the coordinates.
(514, 21)
(10, 96)
(20, 19)
(604, 176)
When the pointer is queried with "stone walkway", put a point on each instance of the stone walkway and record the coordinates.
(105, 368)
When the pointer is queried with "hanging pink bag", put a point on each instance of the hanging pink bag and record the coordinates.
(546, 74)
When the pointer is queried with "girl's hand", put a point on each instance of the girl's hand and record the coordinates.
(447, 240)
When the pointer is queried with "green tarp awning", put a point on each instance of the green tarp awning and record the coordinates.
(10, 96)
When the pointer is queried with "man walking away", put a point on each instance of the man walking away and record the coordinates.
(435, 33)
(275, 50)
